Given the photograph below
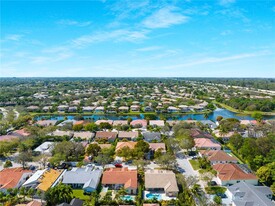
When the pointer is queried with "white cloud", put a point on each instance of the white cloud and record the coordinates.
(226, 2)
(14, 37)
(68, 22)
(226, 32)
(209, 60)
(164, 18)
(115, 35)
(50, 59)
(151, 48)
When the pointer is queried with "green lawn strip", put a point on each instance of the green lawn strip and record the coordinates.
(80, 194)
(195, 164)
(234, 154)
(242, 111)
(215, 190)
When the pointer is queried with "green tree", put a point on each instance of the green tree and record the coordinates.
(258, 116)
(78, 127)
(91, 127)
(217, 200)
(167, 161)
(7, 164)
(93, 149)
(58, 194)
(266, 173)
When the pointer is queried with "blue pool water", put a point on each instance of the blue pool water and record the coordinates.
(127, 198)
(153, 195)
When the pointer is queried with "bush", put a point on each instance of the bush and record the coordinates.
(217, 199)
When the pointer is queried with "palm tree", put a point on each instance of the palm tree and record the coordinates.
(31, 192)
(206, 115)
(23, 191)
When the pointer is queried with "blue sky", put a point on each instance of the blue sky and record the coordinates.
(138, 38)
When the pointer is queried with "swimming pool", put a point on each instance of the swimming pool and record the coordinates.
(127, 198)
(153, 196)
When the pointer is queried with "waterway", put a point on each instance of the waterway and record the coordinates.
(212, 116)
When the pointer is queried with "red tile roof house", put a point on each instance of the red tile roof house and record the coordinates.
(110, 136)
(139, 123)
(13, 178)
(229, 174)
(206, 144)
(115, 178)
(218, 156)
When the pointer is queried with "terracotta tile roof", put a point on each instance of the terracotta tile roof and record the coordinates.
(120, 145)
(120, 122)
(206, 143)
(48, 178)
(139, 121)
(103, 121)
(34, 203)
(228, 172)
(217, 155)
(10, 177)
(156, 146)
(8, 137)
(21, 132)
(107, 135)
(123, 134)
(196, 133)
(120, 176)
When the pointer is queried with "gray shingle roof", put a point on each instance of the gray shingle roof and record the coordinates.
(245, 194)
(86, 176)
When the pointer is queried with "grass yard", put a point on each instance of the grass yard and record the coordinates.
(195, 164)
(215, 190)
(80, 194)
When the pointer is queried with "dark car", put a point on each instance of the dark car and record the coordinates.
(213, 183)
(222, 195)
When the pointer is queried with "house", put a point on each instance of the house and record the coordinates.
(99, 109)
(148, 109)
(120, 145)
(154, 147)
(135, 108)
(45, 148)
(84, 135)
(229, 174)
(74, 202)
(139, 123)
(46, 123)
(98, 122)
(132, 135)
(66, 122)
(62, 108)
(33, 181)
(72, 109)
(13, 177)
(225, 137)
(156, 123)
(49, 179)
(88, 109)
(34, 203)
(171, 123)
(172, 109)
(151, 136)
(123, 109)
(82, 178)
(120, 122)
(206, 144)
(115, 178)
(197, 133)
(20, 133)
(47, 108)
(184, 108)
(33, 108)
(161, 181)
(110, 136)
(8, 137)
(243, 193)
(59, 133)
(209, 123)
(217, 156)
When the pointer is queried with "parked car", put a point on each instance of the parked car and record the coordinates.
(118, 165)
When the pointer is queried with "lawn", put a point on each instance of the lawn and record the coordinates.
(80, 194)
(215, 190)
(195, 164)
